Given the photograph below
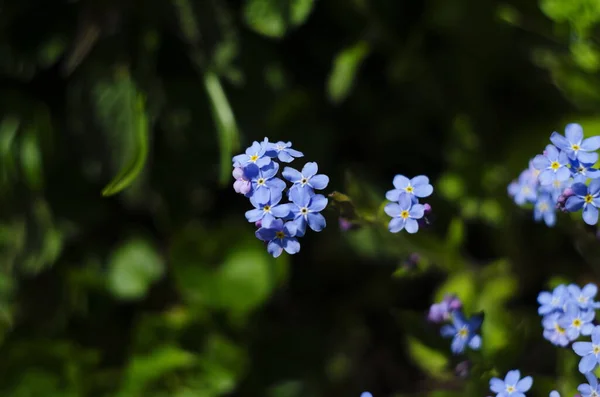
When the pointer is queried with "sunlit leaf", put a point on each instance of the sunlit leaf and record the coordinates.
(274, 18)
(31, 159)
(428, 359)
(345, 68)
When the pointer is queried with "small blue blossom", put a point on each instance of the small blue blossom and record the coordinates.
(577, 321)
(463, 332)
(524, 189)
(512, 385)
(308, 179)
(589, 351)
(442, 311)
(417, 187)
(404, 214)
(556, 188)
(590, 389)
(586, 197)
(545, 209)
(255, 154)
(283, 151)
(575, 146)
(553, 332)
(280, 236)
(554, 393)
(366, 394)
(553, 166)
(305, 210)
(582, 171)
(265, 184)
(266, 211)
(553, 302)
(584, 297)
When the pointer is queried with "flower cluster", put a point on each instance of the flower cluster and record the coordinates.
(280, 224)
(557, 178)
(568, 312)
(405, 209)
(463, 331)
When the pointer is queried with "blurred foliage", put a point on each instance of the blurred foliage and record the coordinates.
(127, 267)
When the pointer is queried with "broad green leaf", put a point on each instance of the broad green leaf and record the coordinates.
(274, 18)
(31, 159)
(133, 267)
(345, 67)
(224, 121)
(427, 359)
(120, 111)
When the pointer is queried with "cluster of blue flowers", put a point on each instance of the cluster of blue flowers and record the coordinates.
(462, 330)
(280, 224)
(557, 178)
(515, 386)
(568, 312)
(406, 211)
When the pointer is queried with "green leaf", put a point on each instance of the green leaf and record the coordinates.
(31, 159)
(274, 18)
(120, 111)
(463, 285)
(225, 122)
(430, 361)
(133, 267)
(8, 132)
(345, 67)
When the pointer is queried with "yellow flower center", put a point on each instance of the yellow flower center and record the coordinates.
(510, 389)
(304, 210)
(254, 157)
(589, 198)
(559, 329)
(404, 214)
(596, 349)
(577, 323)
(543, 207)
(267, 208)
(279, 235)
(575, 147)
(463, 332)
(409, 189)
(261, 181)
(555, 165)
(304, 181)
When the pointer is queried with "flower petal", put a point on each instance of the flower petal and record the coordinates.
(590, 290)
(254, 215)
(590, 215)
(574, 203)
(590, 144)
(419, 180)
(417, 211)
(475, 342)
(275, 247)
(319, 182)
(540, 162)
(423, 190)
(265, 234)
(316, 221)
(560, 141)
(587, 363)
(291, 245)
(447, 331)
(524, 384)
(318, 202)
(393, 209)
(587, 157)
(310, 169)
(594, 187)
(396, 224)
(282, 210)
(512, 377)
(497, 385)
(400, 182)
(574, 133)
(300, 197)
(412, 226)
(393, 195)
(292, 174)
(404, 201)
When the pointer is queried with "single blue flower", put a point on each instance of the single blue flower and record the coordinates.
(307, 179)
(417, 187)
(589, 351)
(545, 209)
(577, 321)
(404, 214)
(585, 197)
(524, 189)
(255, 154)
(512, 385)
(553, 302)
(575, 146)
(553, 166)
(366, 394)
(463, 332)
(265, 184)
(266, 211)
(584, 297)
(553, 332)
(305, 210)
(280, 236)
(554, 393)
(590, 389)
(582, 171)
(283, 151)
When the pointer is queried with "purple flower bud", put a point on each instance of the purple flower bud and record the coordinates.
(427, 208)
(345, 224)
(258, 224)
(568, 192)
(562, 199)
(453, 302)
(462, 369)
(238, 173)
(241, 186)
(440, 312)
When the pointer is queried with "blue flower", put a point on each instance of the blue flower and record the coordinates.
(553, 166)
(280, 236)
(283, 151)
(554, 393)
(307, 179)
(577, 321)
(584, 297)
(552, 302)
(267, 210)
(416, 187)
(264, 183)
(582, 171)
(585, 197)
(463, 331)
(512, 385)
(306, 209)
(366, 394)
(255, 154)
(404, 214)
(545, 209)
(553, 332)
(556, 188)
(575, 146)
(589, 351)
(523, 190)
(590, 389)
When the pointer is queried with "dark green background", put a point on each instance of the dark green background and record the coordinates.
(159, 288)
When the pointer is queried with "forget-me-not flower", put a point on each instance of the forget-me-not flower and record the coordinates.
(512, 385)
(552, 302)
(554, 393)
(524, 189)
(463, 332)
(584, 297)
(255, 154)
(545, 209)
(280, 236)
(265, 184)
(582, 171)
(283, 151)
(589, 351)
(575, 146)
(590, 389)
(305, 210)
(267, 210)
(417, 187)
(308, 179)
(577, 321)
(366, 394)
(404, 214)
(553, 166)
(585, 197)
(442, 311)
(553, 332)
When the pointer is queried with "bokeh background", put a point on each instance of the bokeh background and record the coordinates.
(128, 268)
